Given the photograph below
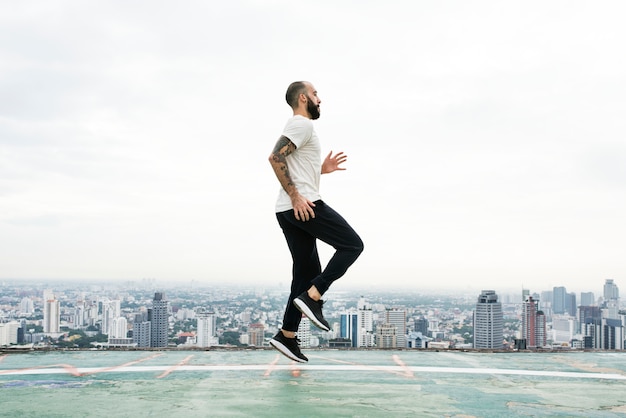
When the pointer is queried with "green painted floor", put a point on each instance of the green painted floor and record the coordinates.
(261, 383)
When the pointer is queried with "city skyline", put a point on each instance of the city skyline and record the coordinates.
(132, 316)
(484, 141)
(595, 287)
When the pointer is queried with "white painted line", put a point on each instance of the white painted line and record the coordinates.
(328, 367)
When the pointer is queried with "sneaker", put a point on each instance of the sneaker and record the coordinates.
(312, 309)
(288, 347)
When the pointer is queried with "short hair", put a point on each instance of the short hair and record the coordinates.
(293, 92)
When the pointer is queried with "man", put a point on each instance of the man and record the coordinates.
(305, 218)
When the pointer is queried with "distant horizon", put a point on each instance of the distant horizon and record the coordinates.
(165, 284)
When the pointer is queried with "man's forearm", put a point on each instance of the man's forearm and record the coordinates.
(278, 160)
(282, 174)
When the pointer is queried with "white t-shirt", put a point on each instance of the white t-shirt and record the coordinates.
(304, 164)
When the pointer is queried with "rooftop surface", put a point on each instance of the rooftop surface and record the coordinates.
(335, 383)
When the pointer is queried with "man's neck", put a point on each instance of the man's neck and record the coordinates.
(302, 112)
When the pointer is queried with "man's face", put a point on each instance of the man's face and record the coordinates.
(313, 102)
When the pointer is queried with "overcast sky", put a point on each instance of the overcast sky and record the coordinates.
(485, 140)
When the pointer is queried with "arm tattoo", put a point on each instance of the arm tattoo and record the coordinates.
(282, 149)
(284, 146)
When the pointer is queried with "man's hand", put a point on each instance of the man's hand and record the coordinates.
(302, 208)
(331, 163)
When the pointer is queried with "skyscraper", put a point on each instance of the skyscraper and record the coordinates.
(558, 300)
(256, 334)
(421, 325)
(541, 336)
(612, 333)
(142, 330)
(488, 321)
(397, 318)
(588, 315)
(604, 334)
(533, 324)
(586, 299)
(27, 306)
(158, 317)
(611, 300)
(611, 291)
(365, 335)
(79, 314)
(386, 336)
(349, 327)
(52, 316)
(570, 304)
(110, 309)
(9, 333)
(563, 329)
(207, 329)
(119, 328)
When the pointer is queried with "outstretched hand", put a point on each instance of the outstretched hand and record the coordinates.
(332, 163)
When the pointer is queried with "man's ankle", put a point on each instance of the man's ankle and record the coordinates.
(314, 293)
(288, 334)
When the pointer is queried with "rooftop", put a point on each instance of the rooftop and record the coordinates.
(338, 383)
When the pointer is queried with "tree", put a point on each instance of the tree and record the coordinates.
(230, 338)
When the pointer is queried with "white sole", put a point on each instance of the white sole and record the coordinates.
(303, 307)
(285, 351)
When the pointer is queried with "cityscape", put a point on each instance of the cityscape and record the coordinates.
(144, 315)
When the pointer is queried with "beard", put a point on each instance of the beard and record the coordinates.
(314, 110)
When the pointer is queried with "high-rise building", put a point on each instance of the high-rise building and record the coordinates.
(586, 299)
(27, 306)
(604, 334)
(602, 326)
(533, 324)
(386, 336)
(588, 315)
(611, 300)
(612, 333)
(547, 300)
(304, 332)
(488, 321)
(118, 334)
(570, 304)
(79, 314)
(207, 329)
(119, 328)
(558, 300)
(563, 329)
(142, 329)
(52, 316)
(349, 327)
(9, 333)
(110, 309)
(158, 317)
(91, 313)
(397, 318)
(365, 335)
(421, 325)
(256, 334)
(611, 291)
(358, 326)
(541, 338)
